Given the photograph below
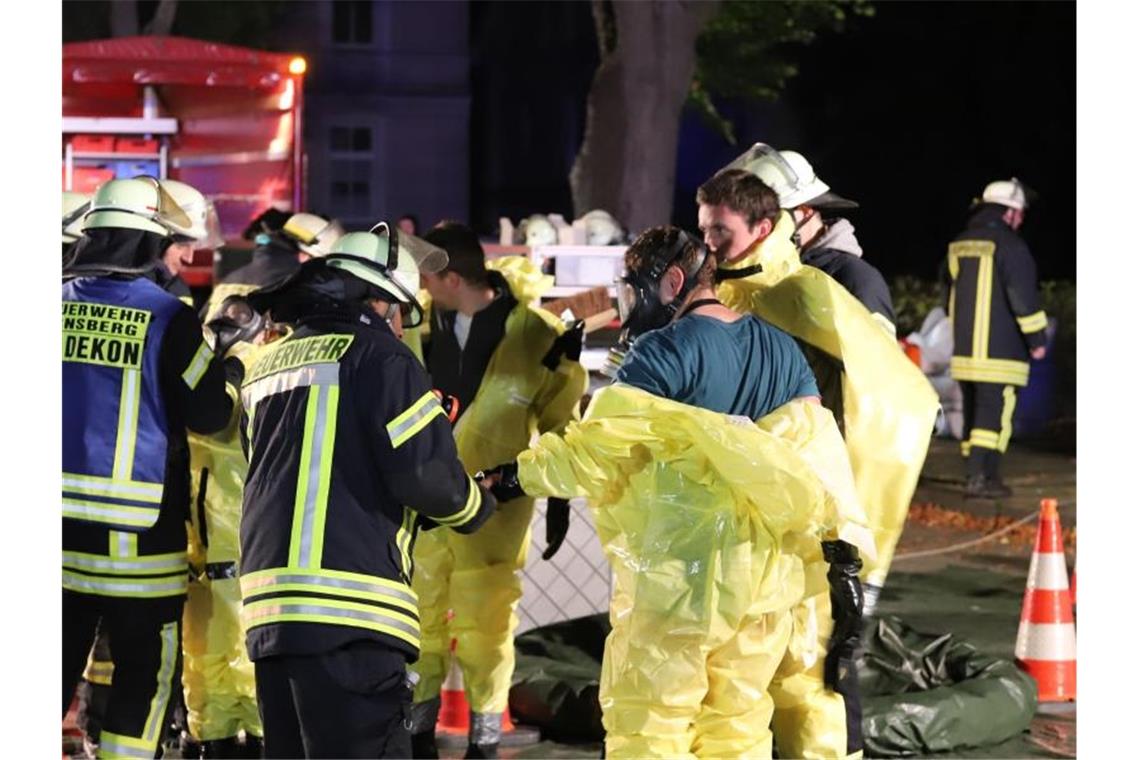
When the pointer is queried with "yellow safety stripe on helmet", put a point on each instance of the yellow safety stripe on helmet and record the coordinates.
(118, 746)
(1009, 401)
(983, 304)
(127, 431)
(123, 587)
(1000, 371)
(93, 485)
(986, 439)
(404, 540)
(151, 564)
(1033, 322)
(158, 704)
(328, 582)
(110, 514)
(310, 504)
(193, 373)
(470, 508)
(414, 419)
(302, 609)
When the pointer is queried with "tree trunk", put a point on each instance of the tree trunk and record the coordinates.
(163, 21)
(627, 162)
(124, 18)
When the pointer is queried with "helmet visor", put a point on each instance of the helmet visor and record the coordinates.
(167, 212)
(752, 159)
(429, 258)
(213, 239)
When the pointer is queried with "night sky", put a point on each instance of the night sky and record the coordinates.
(911, 112)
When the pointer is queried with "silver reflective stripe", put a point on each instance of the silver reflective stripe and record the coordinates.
(406, 428)
(124, 542)
(123, 587)
(128, 422)
(108, 513)
(88, 562)
(327, 373)
(269, 610)
(108, 746)
(316, 454)
(251, 585)
(165, 677)
(198, 366)
(102, 487)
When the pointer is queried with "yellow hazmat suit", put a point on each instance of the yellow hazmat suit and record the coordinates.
(888, 410)
(700, 515)
(217, 676)
(476, 576)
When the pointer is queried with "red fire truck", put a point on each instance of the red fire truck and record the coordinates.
(225, 119)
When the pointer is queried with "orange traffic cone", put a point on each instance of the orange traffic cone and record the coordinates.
(1046, 637)
(453, 708)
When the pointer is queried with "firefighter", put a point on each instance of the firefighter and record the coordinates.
(514, 370)
(675, 471)
(885, 407)
(204, 232)
(136, 375)
(990, 281)
(349, 453)
(825, 240)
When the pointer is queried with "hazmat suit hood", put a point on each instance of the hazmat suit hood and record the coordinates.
(113, 250)
(768, 260)
(524, 279)
(838, 235)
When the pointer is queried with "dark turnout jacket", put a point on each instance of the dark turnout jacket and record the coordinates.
(990, 281)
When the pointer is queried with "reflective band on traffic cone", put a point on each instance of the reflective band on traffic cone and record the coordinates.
(1046, 638)
(453, 709)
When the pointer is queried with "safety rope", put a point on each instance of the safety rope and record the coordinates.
(967, 544)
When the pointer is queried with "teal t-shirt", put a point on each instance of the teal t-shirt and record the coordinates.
(747, 367)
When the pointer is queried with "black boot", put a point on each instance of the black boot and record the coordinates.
(482, 750)
(423, 745)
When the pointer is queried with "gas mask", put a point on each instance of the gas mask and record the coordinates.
(236, 321)
(639, 298)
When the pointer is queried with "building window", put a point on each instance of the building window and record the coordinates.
(350, 166)
(352, 22)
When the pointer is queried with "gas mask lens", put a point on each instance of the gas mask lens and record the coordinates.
(626, 300)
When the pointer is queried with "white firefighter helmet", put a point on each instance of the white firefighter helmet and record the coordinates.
(538, 230)
(204, 229)
(790, 176)
(74, 207)
(1011, 193)
(313, 234)
(392, 261)
(601, 228)
(139, 203)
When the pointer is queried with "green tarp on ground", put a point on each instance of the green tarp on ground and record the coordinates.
(922, 693)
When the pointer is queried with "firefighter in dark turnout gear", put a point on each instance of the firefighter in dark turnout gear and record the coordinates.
(990, 281)
(136, 375)
(350, 452)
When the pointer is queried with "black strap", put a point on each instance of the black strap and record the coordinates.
(698, 304)
(736, 274)
(568, 344)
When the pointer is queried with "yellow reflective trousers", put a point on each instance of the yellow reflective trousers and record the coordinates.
(887, 408)
(702, 517)
(476, 576)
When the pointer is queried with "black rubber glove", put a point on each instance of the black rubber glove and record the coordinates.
(846, 593)
(557, 524)
(507, 485)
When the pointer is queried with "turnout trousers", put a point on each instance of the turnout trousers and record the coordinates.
(145, 638)
(354, 701)
(987, 424)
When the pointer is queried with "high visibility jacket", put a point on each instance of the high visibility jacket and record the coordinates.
(886, 404)
(347, 444)
(993, 302)
(136, 373)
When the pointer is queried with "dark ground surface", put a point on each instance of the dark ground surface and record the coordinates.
(938, 585)
(974, 592)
